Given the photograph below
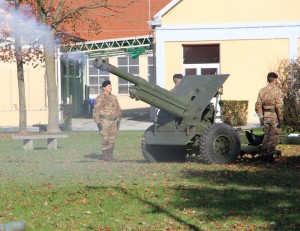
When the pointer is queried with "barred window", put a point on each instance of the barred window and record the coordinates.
(96, 78)
(131, 66)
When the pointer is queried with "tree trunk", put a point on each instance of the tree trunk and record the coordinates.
(21, 88)
(21, 82)
(49, 53)
(53, 110)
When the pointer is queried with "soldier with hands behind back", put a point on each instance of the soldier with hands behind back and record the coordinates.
(269, 107)
(107, 115)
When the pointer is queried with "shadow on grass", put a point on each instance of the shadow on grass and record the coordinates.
(45, 148)
(94, 156)
(258, 174)
(101, 157)
(264, 197)
(156, 208)
(242, 204)
(291, 162)
(130, 161)
(265, 192)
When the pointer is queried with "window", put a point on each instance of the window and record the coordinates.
(96, 78)
(193, 54)
(131, 66)
(201, 59)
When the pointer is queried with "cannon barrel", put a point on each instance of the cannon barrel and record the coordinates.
(147, 92)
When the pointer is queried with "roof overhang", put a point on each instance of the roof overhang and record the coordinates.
(156, 21)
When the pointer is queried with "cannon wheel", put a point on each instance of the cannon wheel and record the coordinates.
(219, 144)
(161, 153)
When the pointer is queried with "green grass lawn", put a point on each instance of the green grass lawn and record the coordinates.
(69, 189)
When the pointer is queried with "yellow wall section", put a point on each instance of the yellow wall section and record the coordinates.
(231, 11)
(34, 92)
(247, 62)
(173, 62)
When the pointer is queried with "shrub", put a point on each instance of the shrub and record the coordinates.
(234, 112)
(289, 77)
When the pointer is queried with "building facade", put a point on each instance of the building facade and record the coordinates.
(245, 39)
(35, 93)
(126, 38)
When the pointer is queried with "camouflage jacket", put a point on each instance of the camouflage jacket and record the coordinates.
(269, 102)
(106, 107)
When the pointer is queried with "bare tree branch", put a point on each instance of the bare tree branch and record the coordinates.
(91, 6)
(58, 10)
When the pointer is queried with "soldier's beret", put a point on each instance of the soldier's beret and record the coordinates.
(177, 76)
(105, 83)
(272, 75)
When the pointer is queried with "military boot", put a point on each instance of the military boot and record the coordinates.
(105, 154)
(268, 157)
(13, 226)
(110, 154)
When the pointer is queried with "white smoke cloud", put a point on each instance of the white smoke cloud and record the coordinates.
(19, 22)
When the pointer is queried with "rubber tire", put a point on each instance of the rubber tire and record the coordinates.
(161, 153)
(219, 144)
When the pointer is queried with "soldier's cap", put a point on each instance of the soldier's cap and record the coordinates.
(105, 83)
(272, 75)
(177, 76)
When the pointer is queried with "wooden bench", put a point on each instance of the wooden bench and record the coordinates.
(28, 140)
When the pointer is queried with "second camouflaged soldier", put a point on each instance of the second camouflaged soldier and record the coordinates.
(107, 115)
(269, 107)
(176, 79)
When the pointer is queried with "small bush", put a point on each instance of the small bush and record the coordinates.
(234, 112)
(289, 76)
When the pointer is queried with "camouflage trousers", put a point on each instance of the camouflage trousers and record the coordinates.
(108, 134)
(271, 137)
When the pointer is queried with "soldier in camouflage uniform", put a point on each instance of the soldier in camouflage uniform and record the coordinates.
(107, 115)
(176, 79)
(269, 107)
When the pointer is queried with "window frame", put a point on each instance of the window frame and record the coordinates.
(126, 67)
(100, 75)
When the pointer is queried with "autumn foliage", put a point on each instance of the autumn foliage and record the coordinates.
(289, 76)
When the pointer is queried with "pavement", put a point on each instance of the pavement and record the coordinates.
(82, 124)
(87, 124)
(136, 119)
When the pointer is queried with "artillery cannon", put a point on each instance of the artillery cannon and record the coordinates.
(185, 124)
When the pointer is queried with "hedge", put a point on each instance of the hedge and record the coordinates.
(234, 112)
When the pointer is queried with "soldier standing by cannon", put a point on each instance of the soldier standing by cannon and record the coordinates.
(176, 79)
(185, 124)
(107, 115)
(269, 107)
